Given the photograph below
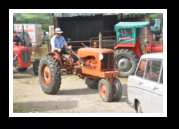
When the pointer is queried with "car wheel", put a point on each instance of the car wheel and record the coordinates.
(139, 108)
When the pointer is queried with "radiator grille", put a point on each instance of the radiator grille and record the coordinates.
(108, 61)
(25, 56)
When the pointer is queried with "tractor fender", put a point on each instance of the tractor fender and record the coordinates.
(128, 46)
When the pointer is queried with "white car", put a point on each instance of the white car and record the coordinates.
(145, 86)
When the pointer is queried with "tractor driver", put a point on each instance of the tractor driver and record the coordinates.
(58, 42)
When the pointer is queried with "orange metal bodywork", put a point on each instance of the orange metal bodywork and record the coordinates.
(100, 74)
(92, 63)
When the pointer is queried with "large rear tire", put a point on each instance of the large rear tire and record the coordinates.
(91, 83)
(49, 75)
(105, 90)
(125, 61)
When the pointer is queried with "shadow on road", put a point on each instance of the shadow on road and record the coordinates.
(23, 74)
(41, 106)
(84, 91)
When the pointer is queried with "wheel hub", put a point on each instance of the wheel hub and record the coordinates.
(47, 75)
(102, 90)
(123, 64)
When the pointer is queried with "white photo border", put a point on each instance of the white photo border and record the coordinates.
(12, 11)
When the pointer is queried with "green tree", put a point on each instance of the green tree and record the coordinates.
(45, 19)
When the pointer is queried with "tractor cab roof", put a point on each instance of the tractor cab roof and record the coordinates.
(125, 25)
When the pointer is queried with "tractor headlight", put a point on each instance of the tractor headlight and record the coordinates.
(100, 56)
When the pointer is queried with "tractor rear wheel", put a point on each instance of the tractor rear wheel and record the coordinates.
(117, 90)
(105, 90)
(49, 75)
(91, 83)
(125, 61)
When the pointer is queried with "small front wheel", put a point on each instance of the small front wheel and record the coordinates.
(105, 90)
(117, 90)
(91, 83)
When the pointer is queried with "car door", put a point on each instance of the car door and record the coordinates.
(137, 88)
(156, 97)
(152, 85)
(143, 86)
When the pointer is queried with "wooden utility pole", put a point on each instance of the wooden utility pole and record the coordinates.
(100, 40)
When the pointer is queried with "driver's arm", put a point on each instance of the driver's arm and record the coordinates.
(66, 45)
(52, 43)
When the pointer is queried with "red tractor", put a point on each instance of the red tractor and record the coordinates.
(95, 65)
(22, 51)
(133, 39)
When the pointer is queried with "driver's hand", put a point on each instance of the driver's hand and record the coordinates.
(57, 49)
(69, 47)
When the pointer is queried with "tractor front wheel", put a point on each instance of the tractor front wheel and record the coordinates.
(91, 83)
(105, 90)
(117, 90)
(49, 75)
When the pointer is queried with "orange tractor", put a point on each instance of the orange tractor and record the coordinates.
(95, 65)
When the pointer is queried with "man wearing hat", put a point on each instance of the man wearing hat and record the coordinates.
(58, 42)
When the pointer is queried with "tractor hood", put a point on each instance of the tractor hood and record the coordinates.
(84, 52)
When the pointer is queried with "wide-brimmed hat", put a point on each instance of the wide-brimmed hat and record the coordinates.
(58, 30)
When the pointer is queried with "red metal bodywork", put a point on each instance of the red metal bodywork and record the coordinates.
(135, 47)
(154, 47)
(17, 51)
(151, 47)
(65, 61)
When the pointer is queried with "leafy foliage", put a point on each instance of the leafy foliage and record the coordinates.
(45, 19)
